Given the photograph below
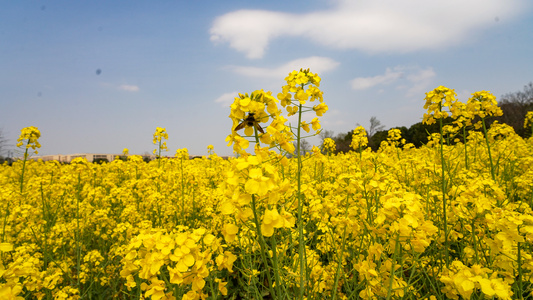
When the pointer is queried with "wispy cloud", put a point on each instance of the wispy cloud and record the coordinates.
(363, 83)
(367, 25)
(413, 79)
(227, 98)
(420, 80)
(128, 88)
(317, 64)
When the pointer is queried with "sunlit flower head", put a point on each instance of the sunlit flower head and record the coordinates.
(30, 135)
(329, 145)
(436, 101)
(483, 104)
(359, 138)
(159, 136)
(182, 153)
(320, 109)
(528, 120)
(296, 81)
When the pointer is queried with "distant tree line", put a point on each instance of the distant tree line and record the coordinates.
(3, 148)
(514, 106)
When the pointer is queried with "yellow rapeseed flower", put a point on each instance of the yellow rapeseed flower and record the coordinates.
(436, 100)
(30, 135)
(483, 104)
(528, 120)
(359, 138)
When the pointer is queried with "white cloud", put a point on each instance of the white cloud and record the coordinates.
(463, 95)
(317, 65)
(420, 80)
(367, 25)
(128, 88)
(363, 83)
(227, 98)
(414, 79)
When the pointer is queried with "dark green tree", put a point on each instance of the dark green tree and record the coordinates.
(515, 106)
(3, 143)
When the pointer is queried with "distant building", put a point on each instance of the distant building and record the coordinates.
(90, 157)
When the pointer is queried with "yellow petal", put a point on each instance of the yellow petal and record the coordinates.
(180, 266)
(6, 247)
(188, 260)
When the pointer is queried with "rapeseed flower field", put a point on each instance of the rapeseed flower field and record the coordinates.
(449, 220)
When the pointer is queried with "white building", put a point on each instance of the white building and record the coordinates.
(90, 157)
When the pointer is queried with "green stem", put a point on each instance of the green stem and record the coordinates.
(466, 154)
(263, 245)
(45, 230)
(23, 169)
(443, 187)
(262, 241)
(475, 242)
(78, 247)
(488, 148)
(256, 135)
(341, 253)
(274, 248)
(392, 270)
(182, 194)
(159, 155)
(301, 239)
(519, 262)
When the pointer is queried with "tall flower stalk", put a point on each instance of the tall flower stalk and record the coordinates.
(182, 154)
(359, 141)
(462, 119)
(436, 100)
(296, 84)
(28, 136)
(250, 113)
(160, 135)
(483, 104)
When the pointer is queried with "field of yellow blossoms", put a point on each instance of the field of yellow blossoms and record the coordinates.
(450, 220)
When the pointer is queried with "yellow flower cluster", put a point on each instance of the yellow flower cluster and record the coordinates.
(254, 184)
(528, 120)
(436, 101)
(160, 135)
(359, 139)
(248, 112)
(394, 137)
(296, 81)
(182, 153)
(209, 228)
(461, 280)
(30, 135)
(374, 225)
(329, 145)
(162, 260)
(483, 104)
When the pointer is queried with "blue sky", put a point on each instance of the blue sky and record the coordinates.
(100, 76)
